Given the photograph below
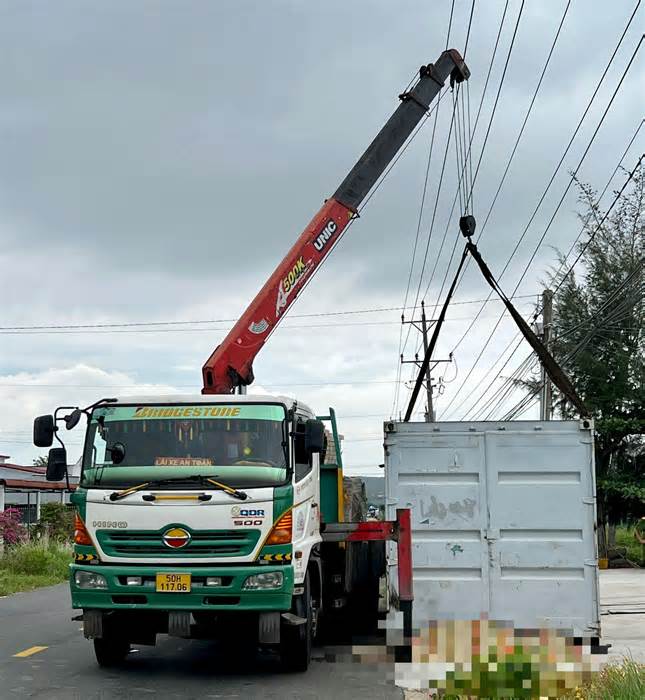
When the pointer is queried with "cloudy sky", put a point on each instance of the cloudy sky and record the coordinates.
(158, 159)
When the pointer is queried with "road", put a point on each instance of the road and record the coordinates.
(58, 664)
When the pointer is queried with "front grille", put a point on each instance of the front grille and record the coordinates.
(203, 543)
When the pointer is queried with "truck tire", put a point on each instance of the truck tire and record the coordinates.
(296, 640)
(111, 651)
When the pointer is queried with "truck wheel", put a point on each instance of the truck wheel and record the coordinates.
(296, 640)
(111, 651)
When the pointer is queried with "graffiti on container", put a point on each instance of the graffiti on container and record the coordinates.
(455, 548)
(464, 509)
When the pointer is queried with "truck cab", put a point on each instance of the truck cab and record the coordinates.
(198, 516)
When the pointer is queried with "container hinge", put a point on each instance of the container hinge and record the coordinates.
(589, 501)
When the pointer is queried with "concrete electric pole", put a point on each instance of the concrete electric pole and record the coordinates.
(547, 319)
(424, 328)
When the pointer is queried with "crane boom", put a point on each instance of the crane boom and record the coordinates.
(231, 363)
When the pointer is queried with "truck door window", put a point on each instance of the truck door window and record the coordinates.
(301, 457)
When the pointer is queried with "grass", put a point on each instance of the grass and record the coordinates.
(635, 550)
(34, 564)
(617, 681)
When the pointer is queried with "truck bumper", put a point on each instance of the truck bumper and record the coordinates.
(229, 596)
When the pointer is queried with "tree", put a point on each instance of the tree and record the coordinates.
(598, 338)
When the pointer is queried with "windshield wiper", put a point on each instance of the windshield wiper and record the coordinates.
(116, 495)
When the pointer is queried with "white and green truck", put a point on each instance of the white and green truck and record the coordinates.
(204, 517)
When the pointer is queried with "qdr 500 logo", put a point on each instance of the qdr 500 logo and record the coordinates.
(247, 516)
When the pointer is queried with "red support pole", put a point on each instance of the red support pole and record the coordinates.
(404, 554)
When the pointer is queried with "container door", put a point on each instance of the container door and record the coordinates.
(543, 563)
(442, 479)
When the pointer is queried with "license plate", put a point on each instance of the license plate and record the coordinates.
(173, 583)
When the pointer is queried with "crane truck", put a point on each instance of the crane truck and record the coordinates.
(217, 515)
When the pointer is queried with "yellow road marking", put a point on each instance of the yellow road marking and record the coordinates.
(29, 652)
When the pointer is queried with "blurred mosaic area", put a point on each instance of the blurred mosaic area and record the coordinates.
(460, 660)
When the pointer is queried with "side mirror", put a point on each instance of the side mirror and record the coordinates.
(314, 436)
(117, 452)
(71, 421)
(56, 464)
(44, 429)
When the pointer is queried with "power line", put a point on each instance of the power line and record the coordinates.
(571, 180)
(602, 221)
(561, 161)
(615, 312)
(128, 324)
(147, 387)
(110, 331)
(558, 273)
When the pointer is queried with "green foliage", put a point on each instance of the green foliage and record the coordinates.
(34, 564)
(56, 522)
(38, 557)
(635, 551)
(599, 339)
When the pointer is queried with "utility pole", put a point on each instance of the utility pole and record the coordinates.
(424, 328)
(547, 320)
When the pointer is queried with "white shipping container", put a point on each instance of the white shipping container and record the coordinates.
(503, 520)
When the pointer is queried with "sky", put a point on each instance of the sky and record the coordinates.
(158, 159)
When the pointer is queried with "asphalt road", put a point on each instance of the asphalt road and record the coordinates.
(58, 664)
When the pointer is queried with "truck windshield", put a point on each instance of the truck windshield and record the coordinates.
(243, 444)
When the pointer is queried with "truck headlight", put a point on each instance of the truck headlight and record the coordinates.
(90, 580)
(263, 582)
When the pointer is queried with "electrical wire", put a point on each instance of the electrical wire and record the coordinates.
(558, 206)
(557, 276)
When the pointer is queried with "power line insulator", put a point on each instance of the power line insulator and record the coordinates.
(467, 225)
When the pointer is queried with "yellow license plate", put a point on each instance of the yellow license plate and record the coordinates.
(173, 583)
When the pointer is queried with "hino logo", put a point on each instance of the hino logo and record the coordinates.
(323, 237)
(176, 537)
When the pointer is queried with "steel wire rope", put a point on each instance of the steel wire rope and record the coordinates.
(474, 130)
(481, 154)
(499, 90)
(416, 239)
(571, 180)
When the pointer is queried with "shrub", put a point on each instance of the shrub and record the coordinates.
(11, 528)
(56, 522)
(38, 557)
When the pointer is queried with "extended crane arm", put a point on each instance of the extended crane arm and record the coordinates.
(231, 364)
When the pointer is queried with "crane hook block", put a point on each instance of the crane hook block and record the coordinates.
(467, 225)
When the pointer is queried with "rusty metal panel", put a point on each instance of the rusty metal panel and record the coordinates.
(503, 520)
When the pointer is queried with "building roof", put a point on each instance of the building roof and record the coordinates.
(33, 485)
